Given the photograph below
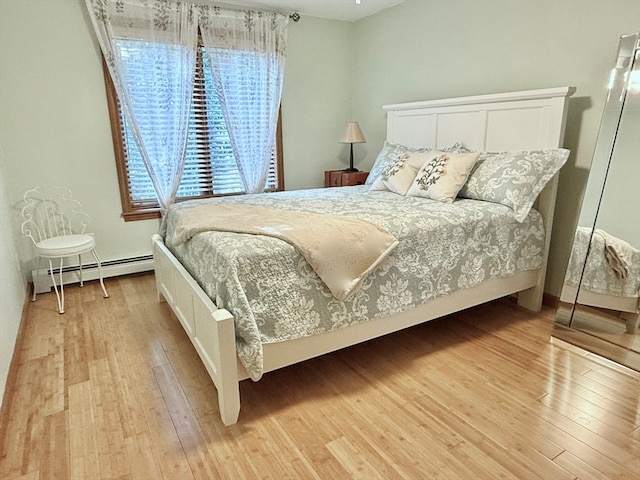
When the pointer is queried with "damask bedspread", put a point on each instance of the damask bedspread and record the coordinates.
(274, 294)
(599, 274)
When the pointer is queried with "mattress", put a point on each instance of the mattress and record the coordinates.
(274, 295)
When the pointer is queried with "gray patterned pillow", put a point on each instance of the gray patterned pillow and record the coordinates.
(456, 148)
(514, 179)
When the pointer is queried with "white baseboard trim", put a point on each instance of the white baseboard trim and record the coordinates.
(113, 268)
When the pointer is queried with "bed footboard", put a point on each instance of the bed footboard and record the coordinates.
(210, 329)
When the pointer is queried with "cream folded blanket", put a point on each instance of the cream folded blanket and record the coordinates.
(341, 250)
(616, 252)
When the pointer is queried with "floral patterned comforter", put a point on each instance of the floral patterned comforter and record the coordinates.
(274, 295)
(596, 275)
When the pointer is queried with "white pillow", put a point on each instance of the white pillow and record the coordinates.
(398, 175)
(442, 175)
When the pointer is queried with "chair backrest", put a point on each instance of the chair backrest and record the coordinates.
(51, 212)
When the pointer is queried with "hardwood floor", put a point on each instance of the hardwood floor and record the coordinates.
(113, 389)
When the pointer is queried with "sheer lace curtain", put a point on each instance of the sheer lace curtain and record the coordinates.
(161, 38)
(246, 52)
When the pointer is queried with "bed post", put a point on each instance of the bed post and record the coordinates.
(531, 298)
(155, 239)
(210, 329)
(553, 138)
(227, 381)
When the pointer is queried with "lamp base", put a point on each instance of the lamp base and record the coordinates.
(351, 169)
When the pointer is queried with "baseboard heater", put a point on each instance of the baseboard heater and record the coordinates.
(110, 268)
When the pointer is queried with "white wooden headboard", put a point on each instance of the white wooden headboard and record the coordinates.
(528, 120)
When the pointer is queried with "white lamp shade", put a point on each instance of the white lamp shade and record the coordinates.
(352, 134)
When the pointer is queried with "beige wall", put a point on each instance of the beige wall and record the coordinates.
(54, 118)
(619, 202)
(316, 99)
(55, 125)
(53, 115)
(13, 286)
(427, 49)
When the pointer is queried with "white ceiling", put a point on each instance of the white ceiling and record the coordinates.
(346, 10)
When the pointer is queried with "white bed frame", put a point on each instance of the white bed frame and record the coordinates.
(507, 121)
(628, 308)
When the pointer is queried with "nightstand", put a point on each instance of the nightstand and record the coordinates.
(343, 178)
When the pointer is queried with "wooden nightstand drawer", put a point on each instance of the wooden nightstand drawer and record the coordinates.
(343, 178)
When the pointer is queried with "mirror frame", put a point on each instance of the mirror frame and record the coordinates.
(617, 90)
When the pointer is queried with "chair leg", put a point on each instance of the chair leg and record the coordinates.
(104, 290)
(80, 263)
(60, 295)
(33, 298)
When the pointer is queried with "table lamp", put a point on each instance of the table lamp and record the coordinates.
(351, 135)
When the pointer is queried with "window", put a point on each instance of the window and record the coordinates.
(210, 168)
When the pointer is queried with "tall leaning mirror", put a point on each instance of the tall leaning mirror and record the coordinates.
(599, 305)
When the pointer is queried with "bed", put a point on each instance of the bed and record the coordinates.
(507, 122)
(609, 278)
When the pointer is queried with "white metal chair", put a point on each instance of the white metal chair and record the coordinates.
(55, 223)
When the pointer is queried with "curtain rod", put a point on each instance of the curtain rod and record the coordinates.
(295, 16)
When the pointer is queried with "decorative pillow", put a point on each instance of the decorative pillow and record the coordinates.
(398, 175)
(389, 154)
(514, 179)
(456, 148)
(391, 151)
(442, 175)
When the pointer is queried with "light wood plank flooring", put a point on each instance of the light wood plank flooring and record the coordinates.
(113, 389)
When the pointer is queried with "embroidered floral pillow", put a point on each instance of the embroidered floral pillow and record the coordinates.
(398, 175)
(442, 175)
(514, 179)
(390, 153)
